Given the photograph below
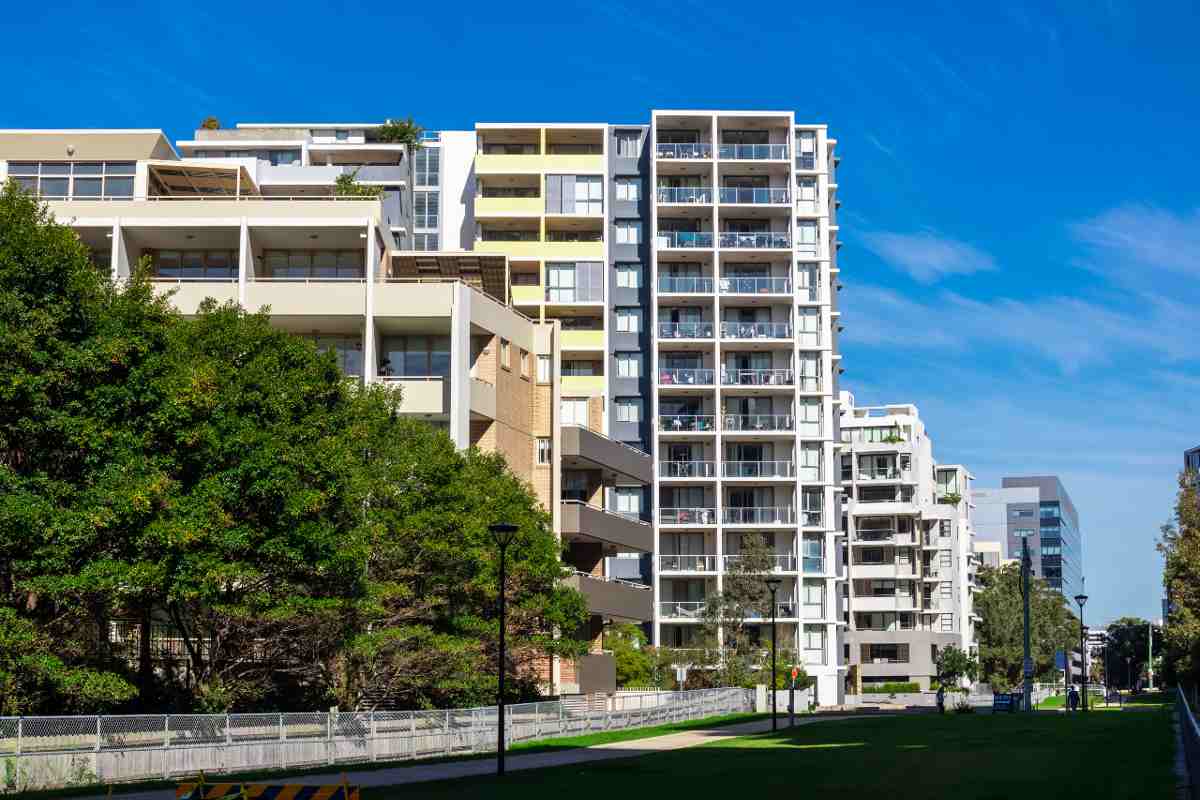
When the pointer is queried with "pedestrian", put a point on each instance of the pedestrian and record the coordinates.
(941, 699)
(1073, 699)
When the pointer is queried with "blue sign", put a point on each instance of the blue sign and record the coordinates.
(1060, 660)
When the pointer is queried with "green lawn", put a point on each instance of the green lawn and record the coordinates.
(963, 757)
(1139, 701)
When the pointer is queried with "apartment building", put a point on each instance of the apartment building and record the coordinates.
(1036, 510)
(911, 563)
(587, 298)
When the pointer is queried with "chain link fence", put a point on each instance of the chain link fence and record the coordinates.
(50, 752)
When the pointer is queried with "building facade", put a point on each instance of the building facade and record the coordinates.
(909, 548)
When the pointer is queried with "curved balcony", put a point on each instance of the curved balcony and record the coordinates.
(684, 195)
(683, 423)
(748, 195)
(758, 423)
(753, 152)
(682, 150)
(756, 377)
(684, 240)
(684, 470)
(685, 330)
(759, 515)
(685, 377)
(756, 330)
(687, 516)
(758, 469)
(678, 563)
(755, 241)
(684, 285)
(756, 285)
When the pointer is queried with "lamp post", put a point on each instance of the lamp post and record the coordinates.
(1027, 666)
(773, 585)
(503, 533)
(1081, 598)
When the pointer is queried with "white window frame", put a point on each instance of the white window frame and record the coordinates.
(543, 369)
(543, 450)
(629, 364)
(629, 188)
(629, 409)
(629, 319)
(629, 275)
(629, 231)
(573, 411)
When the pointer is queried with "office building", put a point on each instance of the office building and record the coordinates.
(1039, 510)
(909, 548)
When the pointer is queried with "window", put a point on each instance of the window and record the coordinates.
(82, 180)
(425, 209)
(196, 265)
(629, 189)
(806, 194)
(629, 231)
(629, 365)
(415, 356)
(629, 409)
(947, 589)
(627, 143)
(806, 236)
(347, 349)
(589, 194)
(814, 644)
(1021, 513)
(574, 411)
(505, 354)
(808, 417)
(524, 363)
(575, 281)
(629, 275)
(944, 527)
(629, 319)
(945, 559)
(628, 501)
(426, 162)
(543, 450)
(581, 368)
(947, 622)
(543, 369)
(425, 241)
(814, 599)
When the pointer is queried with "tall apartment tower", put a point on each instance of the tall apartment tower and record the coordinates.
(911, 564)
(744, 312)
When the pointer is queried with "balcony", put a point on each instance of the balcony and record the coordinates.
(782, 562)
(756, 377)
(685, 330)
(686, 423)
(758, 469)
(583, 522)
(685, 377)
(585, 449)
(696, 564)
(813, 565)
(783, 610)
(753, 152)
(732, 240)
(686, 470)
(761, 515)
(684, 285)
(682, 150)
(684, 240)
(756, 330)
(806, 161)
(745, 195)
(421, 394)
(687, 516)
(758, 423)
(610, 597)
(684, 195)
(676, 609)
(812, 518)
(763, 285)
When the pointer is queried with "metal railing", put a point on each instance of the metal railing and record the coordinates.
(607, 579)
(758, 422)
(754, 152)
(677, 563)
(756, 330)
(813, 564)
(51, 752)
(758, 469)
(1189, 732)
(812, 519)
(806, 161)
(883, 475)
(574, 295)
(756, 241)
(686, 375)
(676, 423)
(782, 562)
(684, 239)
(687, 516)
(685, 330)
(754, 195)
(683, 150)
(761, 515)
(306, 279)
(179, 279)
(756, 285)
(676, 609)
(684, 194)
(756, 377)
(684, 285)
(686, 469)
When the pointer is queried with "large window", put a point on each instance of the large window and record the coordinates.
(814, 644)
(806, 236)
(195, 265)
(629, 365)
(78, 180)
(313, 264)
(574, 282)
(426, 166)
(589, 194)
(629, 231)
(347, 349)
(543, 369)
(425, 209)
(629, 189)
(574, 411)
(629, 409)
(425, 241)
(415, 356)
(627, 143)
(629, 275)
(629, 319)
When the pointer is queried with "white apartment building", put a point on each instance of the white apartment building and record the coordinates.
(911, 565)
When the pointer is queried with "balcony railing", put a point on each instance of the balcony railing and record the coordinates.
(875, 536)
(685, 330)
(686, 469)
(760, 515)
(813, 564)
(678, 423)
(675, 609)
(756, 241)
(686, 376)
(668, 284)
(756, 377)
(684, 150)
(808, 383)
(688, 563)
(684, 239)
(684, 194)
(756, 330)
(812, 519)
(758, 422)
(754, 195)
(758, 469)
(758, 285)
(558, 294)
(687, 516)
(806, 161)
(754, 152)
(783, 562)
(883, 475)
(783, 610)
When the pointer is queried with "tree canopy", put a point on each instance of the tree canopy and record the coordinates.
(1001, 649)
(1180, 547)
(1128, 651)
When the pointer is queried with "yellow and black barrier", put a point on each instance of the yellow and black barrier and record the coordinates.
(202, 790)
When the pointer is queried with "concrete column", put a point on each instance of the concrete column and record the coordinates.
(460, 367)
(120, 255)
(245, 254)
(370, 273)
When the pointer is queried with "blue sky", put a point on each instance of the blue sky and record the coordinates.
(1021, 227)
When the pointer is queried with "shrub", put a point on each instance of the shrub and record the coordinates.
(891, 688)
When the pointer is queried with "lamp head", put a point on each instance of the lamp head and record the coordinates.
(773, 584)
(503, 533)
(1081, 599)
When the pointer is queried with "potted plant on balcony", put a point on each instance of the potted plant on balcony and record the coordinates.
(950, 498)
(401, 131)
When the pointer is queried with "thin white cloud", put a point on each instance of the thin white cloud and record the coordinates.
(883, 148)
(927, 257)
(1129, 240)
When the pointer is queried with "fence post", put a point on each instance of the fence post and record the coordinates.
(329, 737)
(20, 735)
(98, 719)
(412, 726)
(282, 744)
(561, 729)
(446, 732)
(371, 740)
(166, 745)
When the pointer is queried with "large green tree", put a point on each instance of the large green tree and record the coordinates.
(1180, 547)
(1001, 650)
(1128, 650)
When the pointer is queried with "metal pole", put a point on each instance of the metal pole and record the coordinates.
(1150, 656)
(1027, 666)
(500, 704)
(774, 720)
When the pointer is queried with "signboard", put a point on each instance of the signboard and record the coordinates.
(1001, 702)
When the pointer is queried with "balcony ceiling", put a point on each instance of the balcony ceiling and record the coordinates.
(488, 272)
(175, 179)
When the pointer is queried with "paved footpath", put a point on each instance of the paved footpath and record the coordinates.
(395, 776)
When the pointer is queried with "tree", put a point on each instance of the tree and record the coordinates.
(731, 649)
(634, 659)
(347, 185)
(210, 124)
(1180, 547)
(998, 603)
(953, 665)
(1128, 650)
(403, 131)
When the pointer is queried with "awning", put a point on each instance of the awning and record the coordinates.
(173, 179)
(488, 272)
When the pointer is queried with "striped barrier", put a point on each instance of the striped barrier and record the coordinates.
(264, 791)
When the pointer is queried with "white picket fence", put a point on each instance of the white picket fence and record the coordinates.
(50, 752)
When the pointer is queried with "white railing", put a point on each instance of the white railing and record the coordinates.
(686, 376)
(674, 609)
(756, 377)
(754, 152)
(756, 241)
(758, 469)
(781, 562)
(686, 469)
(684, 239)
(759, 422)
(756, 330)
(684, 150)
(677, 563)
(756, 285)
(679, 423)
(684, 194)
(687, 516)
(672, 284)
(754, 195)
(50, 752)
(763, 515)
(685, 330)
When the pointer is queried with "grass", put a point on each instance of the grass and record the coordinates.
(964, 757)
(525, 748)
(1138, 702)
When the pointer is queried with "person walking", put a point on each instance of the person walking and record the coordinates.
(941, 699)
(1073, 699)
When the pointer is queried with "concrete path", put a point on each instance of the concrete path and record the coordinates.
(394, 776)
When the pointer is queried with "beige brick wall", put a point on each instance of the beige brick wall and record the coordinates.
(596, 414)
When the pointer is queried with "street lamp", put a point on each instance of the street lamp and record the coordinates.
(1027, 666)
(773, 585)
(503, 533)
(1081, 598)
